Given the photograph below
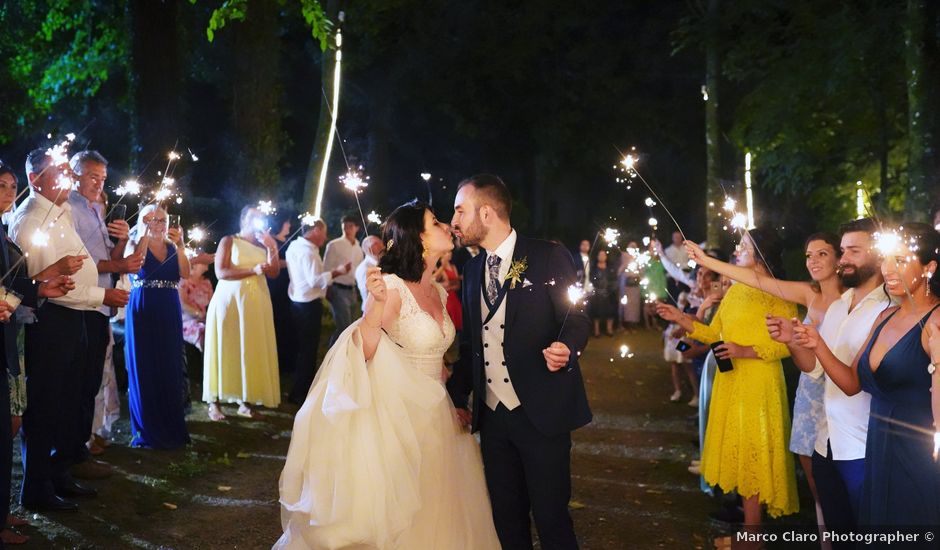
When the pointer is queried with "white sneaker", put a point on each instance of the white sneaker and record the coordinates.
(694, 402)
(676, 396)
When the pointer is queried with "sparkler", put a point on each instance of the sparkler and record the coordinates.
(575, 295)
(610, 236)
(629, 163)
(354, 181)
(267, 208)
(625, 352)
(374, 218)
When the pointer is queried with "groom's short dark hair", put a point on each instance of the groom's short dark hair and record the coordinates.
(493, 192)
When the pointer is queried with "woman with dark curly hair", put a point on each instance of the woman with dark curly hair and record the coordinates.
(377, 457)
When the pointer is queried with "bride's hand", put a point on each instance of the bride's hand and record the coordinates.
(375, 284)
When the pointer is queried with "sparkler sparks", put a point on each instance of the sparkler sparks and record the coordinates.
(129, 187)
(649, 202)
(575, 294)
(353, 181)
(888, 243)
(173, 155)
(729, 205)
(374, 218)
(739, 221)
(653, 222)
(307, 219)
(266, 207)
(197, 234)
(40, 238)
(425, 176)
(610, 236)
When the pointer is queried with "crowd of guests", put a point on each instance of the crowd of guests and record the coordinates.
(862, 420)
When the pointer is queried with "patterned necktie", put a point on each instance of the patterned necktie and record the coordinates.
(492, 287)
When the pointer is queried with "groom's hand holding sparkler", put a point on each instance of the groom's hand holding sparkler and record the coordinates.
(556, 356)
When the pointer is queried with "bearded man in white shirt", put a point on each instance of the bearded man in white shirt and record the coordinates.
(309, 282)
(839, 458)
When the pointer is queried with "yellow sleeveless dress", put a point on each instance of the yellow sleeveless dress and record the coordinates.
(748, 426)
(240, 359)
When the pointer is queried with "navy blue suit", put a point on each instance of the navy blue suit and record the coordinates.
(527, 451)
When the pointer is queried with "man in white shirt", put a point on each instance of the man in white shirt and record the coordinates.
(342, 293)
(584, 265)
(57, 357)
(309, 282)
(839, 459)
(373, 248)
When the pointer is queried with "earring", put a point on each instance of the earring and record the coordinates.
(425, 251)
(927, 286)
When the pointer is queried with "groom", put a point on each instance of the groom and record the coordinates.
(519, 356)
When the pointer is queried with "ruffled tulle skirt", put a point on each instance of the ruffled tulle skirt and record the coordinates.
(377, 460)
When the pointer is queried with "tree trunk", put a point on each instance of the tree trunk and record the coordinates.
(257, 99)
(922, 98)
(155, 81)
(315, 164)
(713, 194)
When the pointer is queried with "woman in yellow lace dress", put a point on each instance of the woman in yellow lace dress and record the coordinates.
(240, 360)
(749, 420)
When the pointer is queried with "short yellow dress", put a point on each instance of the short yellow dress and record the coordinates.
(749, 417)
(240, 359)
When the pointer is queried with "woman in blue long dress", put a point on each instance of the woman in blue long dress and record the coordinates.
(154, 336)
(902, 481)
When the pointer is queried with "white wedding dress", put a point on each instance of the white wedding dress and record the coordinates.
(377, 459)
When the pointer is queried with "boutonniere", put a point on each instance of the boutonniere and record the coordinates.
(516, 272)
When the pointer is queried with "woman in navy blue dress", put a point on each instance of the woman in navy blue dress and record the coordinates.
(154, 336)
(902, 479)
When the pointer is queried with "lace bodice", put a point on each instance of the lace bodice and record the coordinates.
(422, 338)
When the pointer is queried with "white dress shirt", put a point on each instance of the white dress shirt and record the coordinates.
(38, 212)
(586, 267)
(498, 383)
(338, 252)
(845, 332)
(308, 278)
(361, 277)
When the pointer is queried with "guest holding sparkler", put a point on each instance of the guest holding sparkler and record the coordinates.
(153, 335)
(822, 252)
(897, 367)
(749, 421)
(342, 293)
(240, 360)
(602, 304)
(653, 287)
(58, 358)
(89, 218)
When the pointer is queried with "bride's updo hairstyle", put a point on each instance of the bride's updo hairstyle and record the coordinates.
(403, 248)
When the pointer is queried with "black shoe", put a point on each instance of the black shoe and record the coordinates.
(728, 515)
(53, 504)
(72, 488)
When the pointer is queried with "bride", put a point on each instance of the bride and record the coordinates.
(378, 459)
